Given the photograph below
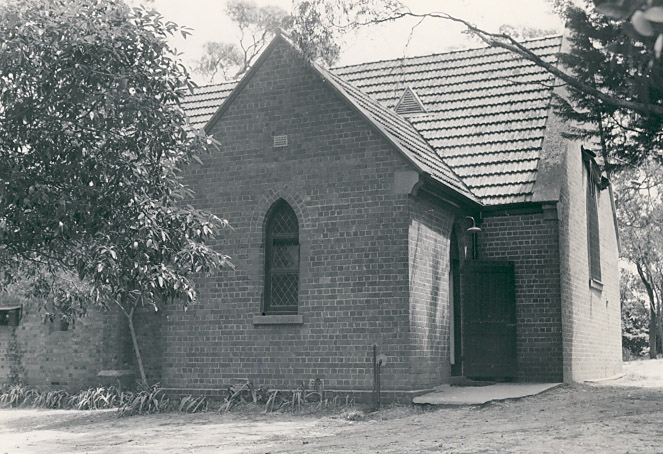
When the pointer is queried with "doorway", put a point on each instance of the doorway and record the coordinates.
(489, 319)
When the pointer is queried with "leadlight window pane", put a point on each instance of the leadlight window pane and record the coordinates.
(282, 260)
(284, 222)
(284, 290)
(285, 257)
(593, 237)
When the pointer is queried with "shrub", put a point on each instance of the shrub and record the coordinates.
(151, 399)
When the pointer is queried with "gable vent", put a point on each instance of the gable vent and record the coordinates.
(409, 103)
(280, 141)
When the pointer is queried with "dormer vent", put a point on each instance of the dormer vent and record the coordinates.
(409, 103)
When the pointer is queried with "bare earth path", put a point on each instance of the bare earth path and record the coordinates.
(608, 418)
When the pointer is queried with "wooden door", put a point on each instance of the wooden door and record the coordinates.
(489, 319)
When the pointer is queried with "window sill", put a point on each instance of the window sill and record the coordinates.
(278, 320)
(596, 285)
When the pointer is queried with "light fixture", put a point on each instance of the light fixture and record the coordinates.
(474, 228)
(475, 242)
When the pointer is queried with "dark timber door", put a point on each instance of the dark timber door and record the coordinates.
(489, 319)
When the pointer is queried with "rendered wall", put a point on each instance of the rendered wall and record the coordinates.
(592, 322)
(429, 240)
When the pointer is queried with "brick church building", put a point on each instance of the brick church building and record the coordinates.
(428, 206)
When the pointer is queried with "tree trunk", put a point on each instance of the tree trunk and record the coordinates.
(652, 333)
(139, 358)
(652, 311)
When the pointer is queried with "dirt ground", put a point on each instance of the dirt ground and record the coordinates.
(623, 416)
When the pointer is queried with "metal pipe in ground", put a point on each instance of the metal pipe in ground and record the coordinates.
(376, 378)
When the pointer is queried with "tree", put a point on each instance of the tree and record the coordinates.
(257, 26)
(640, 215)
(635, 316)
(612, 77)
(220, 57)
(93, 143)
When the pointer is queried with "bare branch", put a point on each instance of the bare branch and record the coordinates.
(504, 41)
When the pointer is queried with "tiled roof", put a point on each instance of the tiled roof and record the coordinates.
(486, 112)
(402, 133)
(205, 101)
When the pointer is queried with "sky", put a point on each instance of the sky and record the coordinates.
(208, 19)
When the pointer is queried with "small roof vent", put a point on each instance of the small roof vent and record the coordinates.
(409, 103)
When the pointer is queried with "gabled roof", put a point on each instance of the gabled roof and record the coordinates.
(205, 101)
(400, 133)
(486, 114)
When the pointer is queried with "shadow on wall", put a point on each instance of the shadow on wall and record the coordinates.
(428, 288)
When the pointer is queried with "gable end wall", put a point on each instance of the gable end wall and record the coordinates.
(337, 173)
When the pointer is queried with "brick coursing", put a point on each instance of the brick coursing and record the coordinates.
(592, 321)
(429, 240)
(531, 241)
(69, 359)
(337, 174)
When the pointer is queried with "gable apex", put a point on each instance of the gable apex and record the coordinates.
(278, 39)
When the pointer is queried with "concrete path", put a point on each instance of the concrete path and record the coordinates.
(477, 395)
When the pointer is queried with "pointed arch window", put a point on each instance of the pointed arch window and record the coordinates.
(281, 260)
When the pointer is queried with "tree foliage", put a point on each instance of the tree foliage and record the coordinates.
(640, 214)
(635, 316)
(603, 55)
(93, 142)
(257, 26)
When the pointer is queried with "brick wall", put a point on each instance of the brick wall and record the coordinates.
(337, 174)
(592, 323)
(148, 335)
(70, 359)
(429, 239)
(531, 241)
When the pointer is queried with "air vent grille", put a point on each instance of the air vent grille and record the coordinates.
(409, 103)
(280, 141)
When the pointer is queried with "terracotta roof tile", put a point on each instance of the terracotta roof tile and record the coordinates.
(205, 101)
(403, 133)
(485, 121)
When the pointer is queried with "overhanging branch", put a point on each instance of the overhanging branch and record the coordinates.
(509, 43)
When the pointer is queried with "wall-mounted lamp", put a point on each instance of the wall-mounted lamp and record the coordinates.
(475, 243)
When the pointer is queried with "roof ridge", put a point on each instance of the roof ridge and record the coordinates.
(216, 84)
(449, 52)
